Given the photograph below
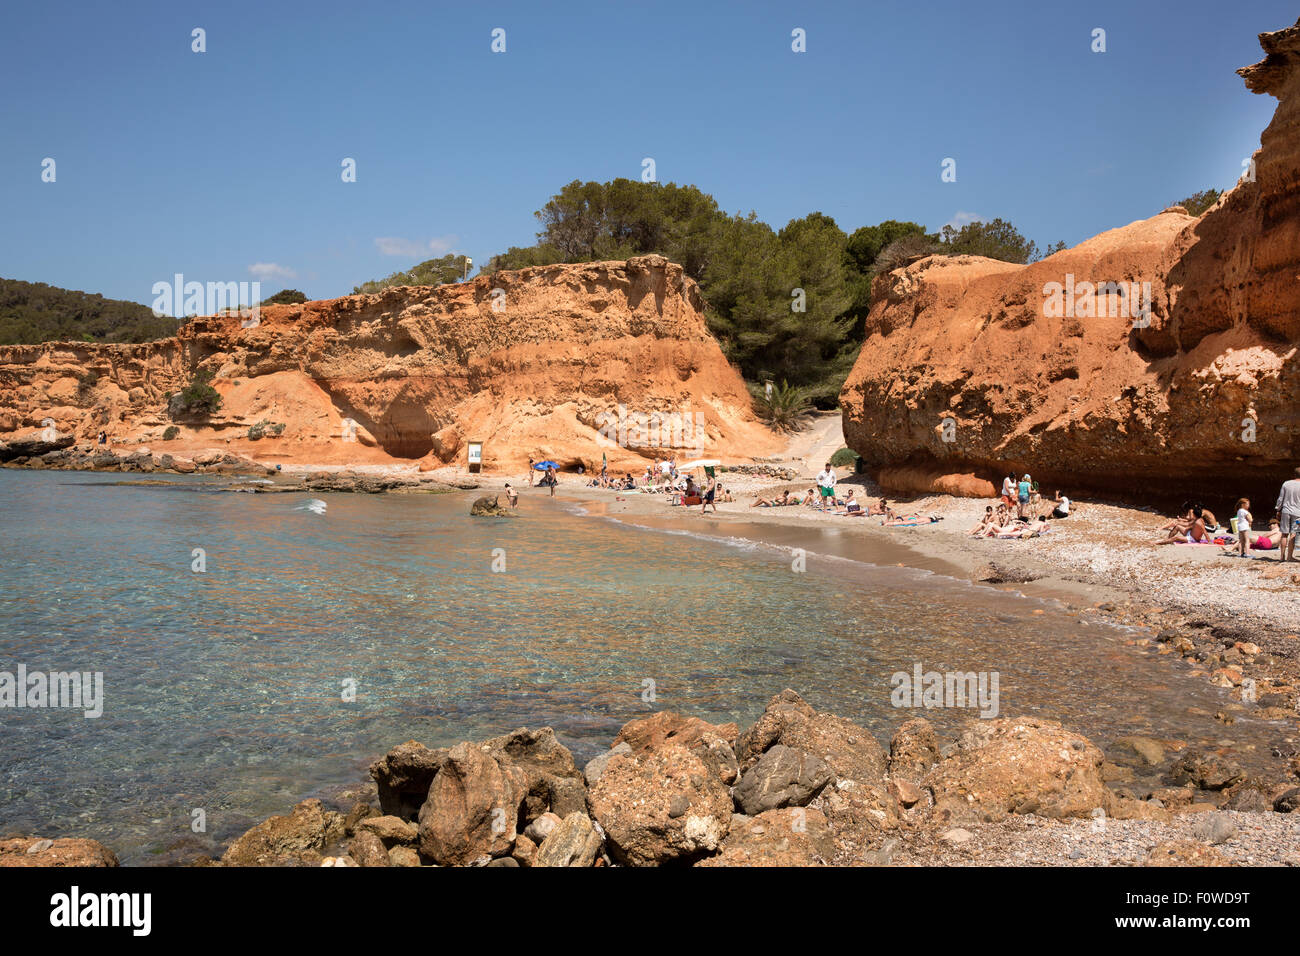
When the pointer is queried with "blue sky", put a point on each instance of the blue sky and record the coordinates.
(225, 165)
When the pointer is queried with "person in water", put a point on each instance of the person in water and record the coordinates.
(512, 496)
(551, 479)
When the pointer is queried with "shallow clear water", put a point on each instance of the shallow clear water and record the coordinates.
(224, 690)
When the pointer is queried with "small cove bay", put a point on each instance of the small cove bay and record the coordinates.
(316, 638)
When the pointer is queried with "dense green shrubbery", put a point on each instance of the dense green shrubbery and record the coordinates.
(788, 304)
(170, 432)
(197, 398)
(1197, 203)
(286, 297)
(448, 268)
(259, 430)
(33, 312)
(785, 409)
(845, 456)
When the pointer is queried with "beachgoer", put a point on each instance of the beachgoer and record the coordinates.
(1022, 496)
(851, 507)
(984, 522)
(551, 479)
(826, 483)
(1288, 513)
(710, 490)
(512, 496)
(1061, 506)
(530, 472)
(1244, 520)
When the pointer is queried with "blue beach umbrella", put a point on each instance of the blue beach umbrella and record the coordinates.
(543, 465)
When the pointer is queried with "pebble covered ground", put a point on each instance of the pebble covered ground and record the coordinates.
(1242, 839)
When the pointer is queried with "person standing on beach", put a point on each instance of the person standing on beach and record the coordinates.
(1244, 520)
(826, 482)
(1288, 512)
(710, 490)
(1023, 496)
(551, 479)
(530, 472)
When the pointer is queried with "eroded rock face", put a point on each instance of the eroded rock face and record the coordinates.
(417, 373)
(296, 839)
(1095, 395)
(403, 776)
(782, 777)
(34, 851)
(473, 807)
(554, 782)
(574, 842)
(914, 749)
(789, 837)
(660, 806)
(850, 751)
(1018, 765)
(712, 743)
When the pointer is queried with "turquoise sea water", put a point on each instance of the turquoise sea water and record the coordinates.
(225, 690)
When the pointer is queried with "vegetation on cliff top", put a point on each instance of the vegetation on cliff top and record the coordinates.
(786, 304)
(33, 312)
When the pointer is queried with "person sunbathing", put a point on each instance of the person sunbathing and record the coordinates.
(984, 523)
(1013, 530)
(1198, 533)
(1259, 541)
(896, 519)
(810, 497)
(777, 502)
(1018, 529)
(852, 508)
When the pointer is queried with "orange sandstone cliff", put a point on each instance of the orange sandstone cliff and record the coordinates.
(416, 373)
(972, 367)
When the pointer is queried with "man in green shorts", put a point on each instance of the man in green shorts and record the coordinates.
(826, 483)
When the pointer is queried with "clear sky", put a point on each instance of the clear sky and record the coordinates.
(226, 165)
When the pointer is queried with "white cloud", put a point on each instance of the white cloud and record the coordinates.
(961, 218)
(271, 270)
(414, 248)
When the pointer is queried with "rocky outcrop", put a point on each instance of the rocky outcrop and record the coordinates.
(660, 806)
(1018, 765)
(299, 838)
(535, 363)
(489, 507)
(472, 812)
(712, 743)
(850, 752)
(33, 851)
(972, 367)
(403, 777)
(812, 792)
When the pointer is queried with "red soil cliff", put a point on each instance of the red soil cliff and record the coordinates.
(975, 366)
(421, 372)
